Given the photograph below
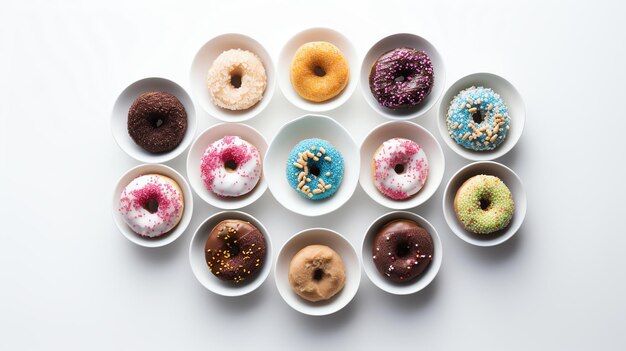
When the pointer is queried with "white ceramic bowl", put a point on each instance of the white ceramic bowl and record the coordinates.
(511, 97)
(274, 167)
(194, 160)
(199, 265)
(411, 131)
(510, 179)
(318, 236)
(152, 169)
(284, 68)
(398, 41)
(119, 118)
(382, 282)
(203, 61)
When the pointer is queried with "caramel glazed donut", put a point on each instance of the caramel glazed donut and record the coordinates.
(317, 273)
(319, 71)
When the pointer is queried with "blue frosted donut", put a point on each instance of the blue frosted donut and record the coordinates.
(315, 169)
(478, 119)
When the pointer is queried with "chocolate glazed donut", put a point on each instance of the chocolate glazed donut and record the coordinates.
(402, 250)
(402, 78)
(157, 121)
(235, 250)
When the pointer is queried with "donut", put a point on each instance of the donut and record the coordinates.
(478, 119)
(399, 168)
(317, 273)
(315, 169)
(401, 78)
(235, 250)
(319, 71)
(402, 250)
(230, 167)
(236, 80)
(484, 204)
(157, 121)
(151, 205)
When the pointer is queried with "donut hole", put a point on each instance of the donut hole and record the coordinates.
(478, 116)
(319, 71)
(399, 168)
(402, 76)
(318, 274)
(485, 203)
(230, 165)
(315, 170)
(402, 249)
(156, 119)
(235, 77)
(151, 205)
(235, 81)
(233, 249)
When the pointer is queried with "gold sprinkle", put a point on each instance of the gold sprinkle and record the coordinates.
(302, 162)
(322, 150)
(305, 157)
(486, 142)
(301, 176)
(493, 138)
(328, 174)
(315, 158)
(327, 158)
(489, 107)
(310, 194)
(321, 181)
(469, 101)
(479, 101)
(313, 147)
(319, 154)
(496, 129)
(297, 164)
(301, 184)
(466, 135)
(316, 191)
(308, 180)
(328, 186)
(460, 126)
(473, 109)
(455, 125)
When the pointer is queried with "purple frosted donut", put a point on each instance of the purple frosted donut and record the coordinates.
(402, 78)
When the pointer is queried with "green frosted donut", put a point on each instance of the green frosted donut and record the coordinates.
(484, 204)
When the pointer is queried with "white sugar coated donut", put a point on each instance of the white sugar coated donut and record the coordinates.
(399, 168)
(231, 167)
(152, 205)
(233, 65)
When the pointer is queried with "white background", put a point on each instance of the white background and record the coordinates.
(69, 280)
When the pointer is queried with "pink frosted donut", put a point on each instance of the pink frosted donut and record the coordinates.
(399, 168)
(152, 205)
(231, 167)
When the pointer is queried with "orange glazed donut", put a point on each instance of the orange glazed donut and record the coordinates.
(319, 71)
